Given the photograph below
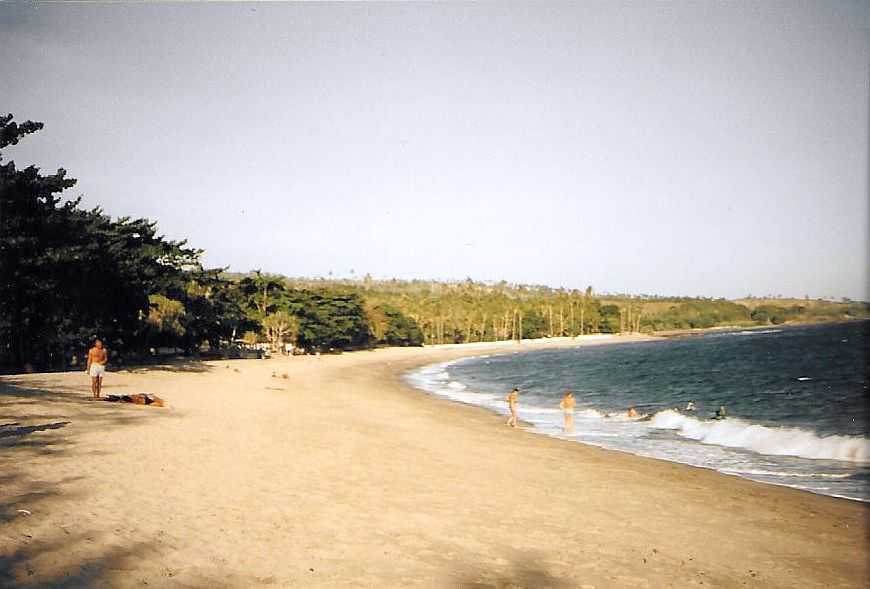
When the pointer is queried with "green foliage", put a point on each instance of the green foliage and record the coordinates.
(775, 314)
(399, 330)
(11, 132)
(700, 313)
(469, 311)
(214, 309)
(534, 325)
(69, 274)
(610, 319)
(164, 321)
(263, 295)
(330, 320)
(314, 318)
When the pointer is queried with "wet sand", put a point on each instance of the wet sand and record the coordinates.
(343, 476)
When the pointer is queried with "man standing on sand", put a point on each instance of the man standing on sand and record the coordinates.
(567, 406)
(98, 357)
(512, 399)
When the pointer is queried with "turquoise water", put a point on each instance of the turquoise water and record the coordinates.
(797, 400)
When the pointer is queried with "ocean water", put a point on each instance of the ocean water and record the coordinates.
(797, 398)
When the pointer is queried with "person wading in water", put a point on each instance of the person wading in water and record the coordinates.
(567, 406)
(98, 357)
(512, 399)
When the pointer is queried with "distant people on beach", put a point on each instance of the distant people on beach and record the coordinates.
(567, 406)
(720, 413)
(632, 413)
(690, 406)
(512, 399)
(98, 357)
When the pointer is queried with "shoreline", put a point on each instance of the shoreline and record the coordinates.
(343, 475)
(414, 379)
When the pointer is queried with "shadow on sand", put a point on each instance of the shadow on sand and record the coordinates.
(184, 365)
(41, 420)
(523, 572)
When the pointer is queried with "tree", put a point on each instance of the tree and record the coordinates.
(396, 328)
(378, 321)
(215, 310)
(263, 294)
(28, 212)
(610, 318)
(165, 321)
(68, 275)
(330, 320)
(280, 326)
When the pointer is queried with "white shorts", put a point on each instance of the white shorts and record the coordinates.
(97, 370)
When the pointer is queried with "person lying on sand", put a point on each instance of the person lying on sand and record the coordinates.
(512, 399)
(137, 399)
(567, 406)
(98, 357)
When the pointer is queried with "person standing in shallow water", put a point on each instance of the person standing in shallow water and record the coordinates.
(567, 406)
(512, 400)
(98, 357)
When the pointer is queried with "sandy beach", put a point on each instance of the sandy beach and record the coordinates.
(341, 475)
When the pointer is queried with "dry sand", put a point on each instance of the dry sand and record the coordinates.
(342, 476)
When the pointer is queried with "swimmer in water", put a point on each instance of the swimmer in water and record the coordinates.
(720, 413)
(512, 399)
(632, 413)
(567, 407)
(690, 406)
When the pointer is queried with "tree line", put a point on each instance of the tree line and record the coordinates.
(467, 311)
(68, 275)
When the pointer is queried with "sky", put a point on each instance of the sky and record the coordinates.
(695, 148)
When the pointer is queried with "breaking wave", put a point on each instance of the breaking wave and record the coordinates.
(776, 441)
(784, 431)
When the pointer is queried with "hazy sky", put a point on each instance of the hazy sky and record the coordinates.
(692, 148)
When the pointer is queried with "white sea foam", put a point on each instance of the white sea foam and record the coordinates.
(530, 410)
(779, 473)
(699, 442)
(623, 417)
(588, 413)
(776, 441)
(756, 331)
